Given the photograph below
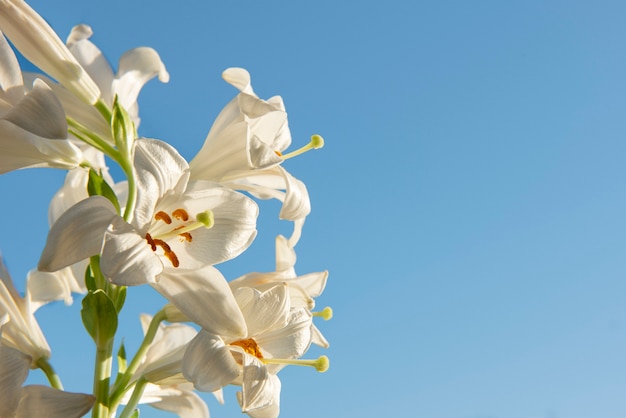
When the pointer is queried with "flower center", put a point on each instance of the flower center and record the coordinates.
(181, 226)
(249, 346)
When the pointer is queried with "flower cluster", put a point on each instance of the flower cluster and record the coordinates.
(166, 225)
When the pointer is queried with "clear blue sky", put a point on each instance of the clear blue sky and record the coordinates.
(469, 204)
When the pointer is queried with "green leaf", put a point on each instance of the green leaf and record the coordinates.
(119, 298)
(135, 414)
(97, 186)
(99, 317)
(121, 360)
(90, 280)
(122, 127)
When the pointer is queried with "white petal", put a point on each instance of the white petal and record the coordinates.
(159, 170)
(77, 234)
(234, 226)
(92, 59)
(38, 42)
(10, 75)
(263, 311)
(184, 403)
(40, 112)
(40, 401)
(44, 287)
(317, 338)
(135, 69)
(22, 149)
(208, 363)
(74, 190)
(260, 390)
(14, 367)
(204, 297)
(239, 78)
(127, 259)
(289, 341)
(285, 254)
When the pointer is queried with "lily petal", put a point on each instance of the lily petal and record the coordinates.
(92, 59)
(39, 401)
(11, 80)
(38, 42)
(136, 68)
(263, 310)
(260, 395)
(77, 234)
(204, 297)
(208, 363)
(160, 169)
(40, 112)
(178, 399)
(22, 149)
(127, 259)
(14, 367)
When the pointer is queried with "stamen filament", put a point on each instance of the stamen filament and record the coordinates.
(325, 314)
(321, 364)
(203, 220)
(316, 142)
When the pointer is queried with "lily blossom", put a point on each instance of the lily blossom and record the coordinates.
(277, 335)
(34, 400)
(33, 130)
(244, 149)
(38, 42)
(178, 228)
(302, 289)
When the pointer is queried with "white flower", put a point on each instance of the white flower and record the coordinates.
(36, 40)
(34, 400)
(33, 130)
(302, 289)
(244, 149)
(277, 335)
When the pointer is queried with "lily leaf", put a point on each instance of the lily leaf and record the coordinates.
(97, 186)
(99, 317)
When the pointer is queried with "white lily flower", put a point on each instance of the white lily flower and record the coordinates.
(244, 149)
(277, 335)
(178, 229)
(36, 40)
(34, 400)
(179, 399)
(302, 289)
(22, 331)
(33, 130)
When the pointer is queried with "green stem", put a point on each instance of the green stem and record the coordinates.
(48, 370)
(84, 134)
(104, 110)
(120, 386)
(132, 187)
(101, 378)
(134, 399)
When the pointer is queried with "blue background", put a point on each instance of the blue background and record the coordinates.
(469, 203)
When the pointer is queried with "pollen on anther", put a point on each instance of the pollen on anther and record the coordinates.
(181, 214)
(280, 154)
(150, 241)
(186, 236)
(167, 251)
(250, 346)
(162, 216)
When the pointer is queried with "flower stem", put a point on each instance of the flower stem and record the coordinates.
(127, 167)
(102, 376)
(134, 399)
(48, 370)
(120, 386)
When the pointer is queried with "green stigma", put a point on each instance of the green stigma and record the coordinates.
(316, 142)
(325, 314)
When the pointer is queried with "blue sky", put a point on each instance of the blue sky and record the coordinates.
(469, 202)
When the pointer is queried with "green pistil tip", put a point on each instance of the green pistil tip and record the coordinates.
(317, 141)
(325, 314)
(206, 218)
(322, 364)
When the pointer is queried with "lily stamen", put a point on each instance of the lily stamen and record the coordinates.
(321, 364)
(325, 314)
(203, 220)
(316, 142)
